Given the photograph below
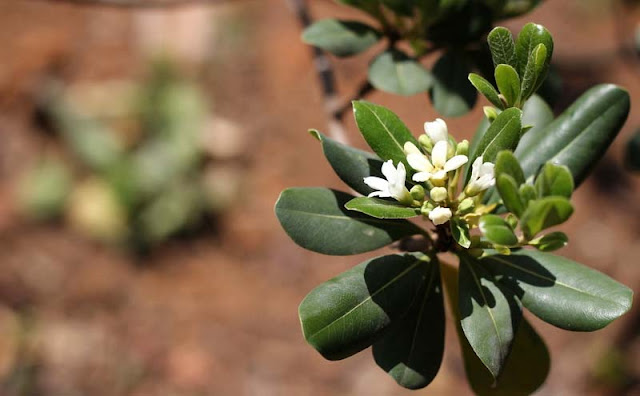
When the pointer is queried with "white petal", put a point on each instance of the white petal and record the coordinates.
(475, 169)
(455, 162)
(439, 154)
(486, 169)
(377, 183)
(381, 194)
(389, 171)
(486, 181)
(419, 162)
(422, 177)
(440, 215)
(410, 148)
(436, 130)
(439, 175)
(401, 174)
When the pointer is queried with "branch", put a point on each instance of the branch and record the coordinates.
(325, 76)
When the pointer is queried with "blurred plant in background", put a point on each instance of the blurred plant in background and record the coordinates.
(138, 162)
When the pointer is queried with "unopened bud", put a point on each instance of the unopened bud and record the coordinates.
(417, 192)
(463, 148)
(466, 206)
(426, 143)
(490, 112)
(438, 194)
(427, 207)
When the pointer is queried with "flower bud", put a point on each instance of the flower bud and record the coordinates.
(417, 192)
(426, 143)
(466, 206)
(490, 112)
(427, 207)
(438, 194)
(463, 148)
(440, 215)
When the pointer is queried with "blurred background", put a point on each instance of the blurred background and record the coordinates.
(142, 149)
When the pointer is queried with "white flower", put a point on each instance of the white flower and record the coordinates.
(481, 177)
(436, 130)
(410, 148)
(393, 186)
(440, 215)
(438, 168)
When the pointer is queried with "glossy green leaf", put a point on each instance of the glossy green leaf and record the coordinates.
(580, 136)
(508, 190)
(350, 164)
(385, 133)
(530, 36)
(507, 164)
(632, 152)
(460, 232)
(560, 291)
(502, 46)
(544, 213)
(341, 38)
(535, 71)
(502, 134)
(485, 88)
(395, 72)
(490, 314)
(535, 112)
(554, 180)
(526, 367)
(381, 209)
(508, 83)
(316, 219)
(550, 242)
(411, 352)
(497, 230)
(348, 313)
(451, 94)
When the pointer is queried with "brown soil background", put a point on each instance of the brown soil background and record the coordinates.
(217, 314)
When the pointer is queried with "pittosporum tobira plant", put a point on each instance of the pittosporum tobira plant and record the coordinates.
(414, 29)
(489, 202)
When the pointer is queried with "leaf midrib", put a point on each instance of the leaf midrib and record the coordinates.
(346, 218)
(375, 114)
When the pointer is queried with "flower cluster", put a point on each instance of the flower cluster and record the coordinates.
(436, 163)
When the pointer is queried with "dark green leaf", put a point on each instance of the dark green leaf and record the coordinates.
(385, 133)
(503, 134)
(544, 213)
(497, 230)
(508, 190)
(460, 232)
(348, 313)
(411, 352)
(507, 163)
(393, 71)
(508, 83)
(632, 152)
(350, 164)
(341, 38)
(382, 209)
(535, 71)
(554, 180)
(526, 367)
(535, 112)
(315, 218)
(527, 194)
(452, 95)
(401, 7)
(503, 49)
(486, 89)
(580, 136)
(550, 242)
(530, 36)
(560, 291)
(490, 314)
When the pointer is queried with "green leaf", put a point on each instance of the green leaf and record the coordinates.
(382, 209)
(400, 7)
(526, 367)
(497, 230)
(341, 38)
(348, 313)
(502, 134)
(502, 46)
(527, 194)
(460, 232)
(485, 88)
(550, 242)
(554, 180)
(395, 72)
(560, 291)
(508, 190)
(544, 213)
(451, 94)
(385, 133)
(535, 71)
(508, 83)
(535, 112)
(411, 352)
(315, 218)
(507, 164)
(489, 312)
(350, 164)
(530, 36)
(580, 136)
(632, 152)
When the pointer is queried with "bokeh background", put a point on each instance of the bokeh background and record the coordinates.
(141, 152)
